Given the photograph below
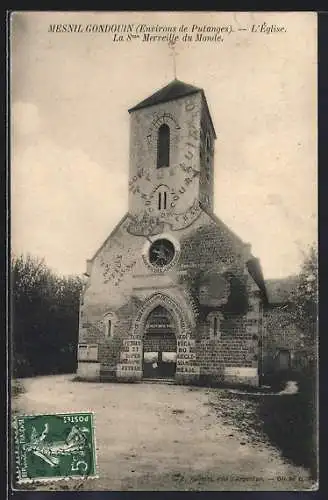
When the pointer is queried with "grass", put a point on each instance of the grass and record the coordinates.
(288, 422)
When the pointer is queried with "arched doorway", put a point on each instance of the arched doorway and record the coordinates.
(159, 344)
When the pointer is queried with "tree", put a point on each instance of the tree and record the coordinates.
(44, 316)
(305, 310)
(305, 302)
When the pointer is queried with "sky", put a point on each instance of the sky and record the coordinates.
(70, 94)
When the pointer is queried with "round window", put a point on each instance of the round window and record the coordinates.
(161, 252)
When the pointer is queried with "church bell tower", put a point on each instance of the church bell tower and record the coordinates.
(171, 155)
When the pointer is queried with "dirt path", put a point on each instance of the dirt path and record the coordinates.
(161, 437)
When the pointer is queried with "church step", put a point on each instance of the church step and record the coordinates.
(169, 381)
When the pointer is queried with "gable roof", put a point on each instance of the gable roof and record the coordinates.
(255, 270)
(280, 290)
(220, 223)
(253, 264)
(118, 225)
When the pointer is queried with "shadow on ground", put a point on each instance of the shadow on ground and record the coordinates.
(287, 421)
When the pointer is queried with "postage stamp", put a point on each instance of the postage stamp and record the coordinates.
(55, 446)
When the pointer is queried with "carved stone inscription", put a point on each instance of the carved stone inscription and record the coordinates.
(130, 356)
(182, 205)
(157, 121)
(117, 264)
(146, 225)
(186, 356)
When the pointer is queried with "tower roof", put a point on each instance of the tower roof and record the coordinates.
(173, 90)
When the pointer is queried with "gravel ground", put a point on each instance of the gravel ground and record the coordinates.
(159, 437)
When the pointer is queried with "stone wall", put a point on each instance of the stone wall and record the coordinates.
(281, 333)
(183, 118)
(121, 284)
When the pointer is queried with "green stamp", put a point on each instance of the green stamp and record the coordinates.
(57, 446)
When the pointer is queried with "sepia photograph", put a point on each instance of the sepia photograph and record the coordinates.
(163, 262)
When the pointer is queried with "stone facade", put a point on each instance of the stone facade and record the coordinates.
(172, 253)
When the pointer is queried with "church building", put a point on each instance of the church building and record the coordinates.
(172, 293)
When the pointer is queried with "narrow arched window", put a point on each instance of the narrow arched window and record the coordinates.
(215, 326)
(109, 324)
(163, 146)
(109, 328)
(162, 199)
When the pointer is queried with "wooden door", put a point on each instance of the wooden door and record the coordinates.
(159, 345)
(283, 360)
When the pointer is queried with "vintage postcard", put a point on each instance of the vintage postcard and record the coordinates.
(164, 251)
